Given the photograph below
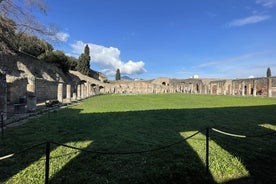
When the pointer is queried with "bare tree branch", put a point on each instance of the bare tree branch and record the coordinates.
(21, 13)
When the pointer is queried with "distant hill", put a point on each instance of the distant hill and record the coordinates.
(126, 78)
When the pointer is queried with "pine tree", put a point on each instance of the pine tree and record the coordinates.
(268, 72)
(118, 74)
(84, 61)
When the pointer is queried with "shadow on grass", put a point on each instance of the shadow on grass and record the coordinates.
(145, 130)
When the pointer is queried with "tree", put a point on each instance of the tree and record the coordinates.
(32, 45)
(7, 35)
(72, 63)
(56, 57)
(118, 74)
(268, 72)
(84, 61)
(18, 15)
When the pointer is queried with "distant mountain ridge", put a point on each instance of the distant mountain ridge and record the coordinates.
(126, 78)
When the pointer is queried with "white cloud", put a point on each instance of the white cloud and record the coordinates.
(108, 59)
(60, 36)
(266, 3)
(233, 59)
(249, 20)
(241, 66)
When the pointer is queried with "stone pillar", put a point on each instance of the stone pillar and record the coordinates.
(68, 93)
(223, 89)
(211, 89)
(82, 91)
(239, 89)
(74, 96)
(3, 95)
(88, 89)
(233, 88)
(269, 87)
(249, 89)
(31, 95)
(230, 89)
(97, 89)
(254, 87)
(242, 88)
(79, 92)
(60, 92)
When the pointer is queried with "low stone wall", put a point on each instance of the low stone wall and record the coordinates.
(16, 91)
(27, 80)
(242, 87)
(46, 90)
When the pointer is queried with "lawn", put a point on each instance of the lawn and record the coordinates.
(113, 124)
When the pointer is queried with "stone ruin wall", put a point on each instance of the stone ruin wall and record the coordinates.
(35, 90)
(3, 96)
(239, 87)
(28, 89)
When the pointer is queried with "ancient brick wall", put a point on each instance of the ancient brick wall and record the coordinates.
(46, 90)
(17, 90)
(3, 93)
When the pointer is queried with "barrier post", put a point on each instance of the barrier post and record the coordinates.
(47, 163)
(2, 124)
(207, 151)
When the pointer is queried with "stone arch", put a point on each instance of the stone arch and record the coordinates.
(101, 88)
(82, 81)
(197, 88)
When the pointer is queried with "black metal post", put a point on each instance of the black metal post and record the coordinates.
(2, 124)
(47, 163)
(207, 151)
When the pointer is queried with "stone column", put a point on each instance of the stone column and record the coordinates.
(242, 88)
(211, 89)
(254, 87)
(233, 88)
(74, 96)
(82, 91)
(3, 95)
(223, 89)
(60, 92)
(88, 89)
(97, 89)
(31, 95)
(269, 87)
(229, 89)
(68, 93)
(249, 89)
(79, 92)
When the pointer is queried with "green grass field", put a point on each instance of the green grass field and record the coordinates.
(131, 123)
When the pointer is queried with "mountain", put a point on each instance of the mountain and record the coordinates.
(126, 78)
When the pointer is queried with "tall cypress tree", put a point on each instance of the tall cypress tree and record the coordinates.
(84, 61)
(118, 74)
(268, 72)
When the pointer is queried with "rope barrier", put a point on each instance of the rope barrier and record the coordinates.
(242, 136)
(20, 152)
(127, 153)
(136, 152)
(98, 152)
(229, 134)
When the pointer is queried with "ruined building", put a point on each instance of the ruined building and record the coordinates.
(26, 82)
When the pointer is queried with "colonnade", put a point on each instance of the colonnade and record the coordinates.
(66, 93)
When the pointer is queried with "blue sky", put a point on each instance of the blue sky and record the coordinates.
(169, 38)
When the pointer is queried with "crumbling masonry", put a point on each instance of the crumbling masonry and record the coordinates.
(24, 84)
